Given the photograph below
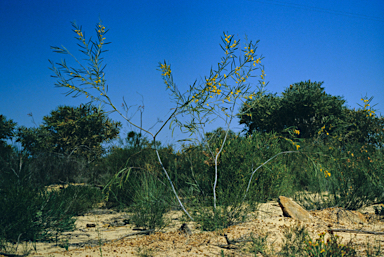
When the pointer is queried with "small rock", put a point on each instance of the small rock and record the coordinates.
(291, 209)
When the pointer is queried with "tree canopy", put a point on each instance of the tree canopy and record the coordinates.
(6, 132)
(304, 106)
(70, 131)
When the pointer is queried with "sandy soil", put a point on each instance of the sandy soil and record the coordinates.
(108, 233)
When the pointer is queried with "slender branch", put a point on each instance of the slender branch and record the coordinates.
(173, 188)
(217, 156)
(249, 183)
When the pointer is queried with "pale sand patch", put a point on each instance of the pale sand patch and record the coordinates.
(109, 229)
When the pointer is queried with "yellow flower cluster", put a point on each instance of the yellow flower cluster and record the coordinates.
(234, 44)
(323, 129)
(249, 55)
(249, 96)
(101, 29)
(101, 32)
(370, 112)
(227, 38)
(79, 33)
(293, 143)
(262, 74)
(326, 173)
(166, 69)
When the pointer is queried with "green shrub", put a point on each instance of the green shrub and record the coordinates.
(29, 212)
(150, 202)
(80, 198)
(297, 242)
(348, 176)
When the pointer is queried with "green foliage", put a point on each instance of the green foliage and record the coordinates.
(50, 169)
(224, 215)
(229, 170)
(123, 167)
(80, 198)
(328, 248)
(150, 202)
(6, 132)
(348, 176)
(6, 128)
(362, 126)
(240, 159)
(299, 243)
(70, 131)
(259, 245)
(28, 211)
(304, 106)
(31, 211)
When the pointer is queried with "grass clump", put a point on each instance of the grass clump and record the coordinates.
(31, 212)
(150, 203)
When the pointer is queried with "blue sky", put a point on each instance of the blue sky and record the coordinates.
(338, 42)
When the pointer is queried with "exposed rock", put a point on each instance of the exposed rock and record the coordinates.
(291, 209)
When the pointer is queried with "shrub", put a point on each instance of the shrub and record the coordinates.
(150, 202)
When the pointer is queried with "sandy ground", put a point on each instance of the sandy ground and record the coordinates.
(108, 233)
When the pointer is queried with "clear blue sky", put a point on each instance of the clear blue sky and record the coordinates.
(338, 42)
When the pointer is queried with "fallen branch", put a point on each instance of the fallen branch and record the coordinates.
(355, 231)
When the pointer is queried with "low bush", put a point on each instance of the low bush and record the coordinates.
(30, 212)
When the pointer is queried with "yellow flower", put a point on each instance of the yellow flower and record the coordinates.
(297, 147)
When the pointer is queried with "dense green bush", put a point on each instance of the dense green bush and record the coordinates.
(349, 176)
(123, 167)
(69, 131)
(150, 202)
(32, 212)
(305, 106)
(7, 128)
(28, 211)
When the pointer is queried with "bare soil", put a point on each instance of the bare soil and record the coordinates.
(108, 233)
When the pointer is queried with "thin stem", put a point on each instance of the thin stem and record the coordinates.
(249, 183)
(217, 156)
(173, 188)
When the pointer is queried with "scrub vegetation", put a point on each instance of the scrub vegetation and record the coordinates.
(300, 143)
